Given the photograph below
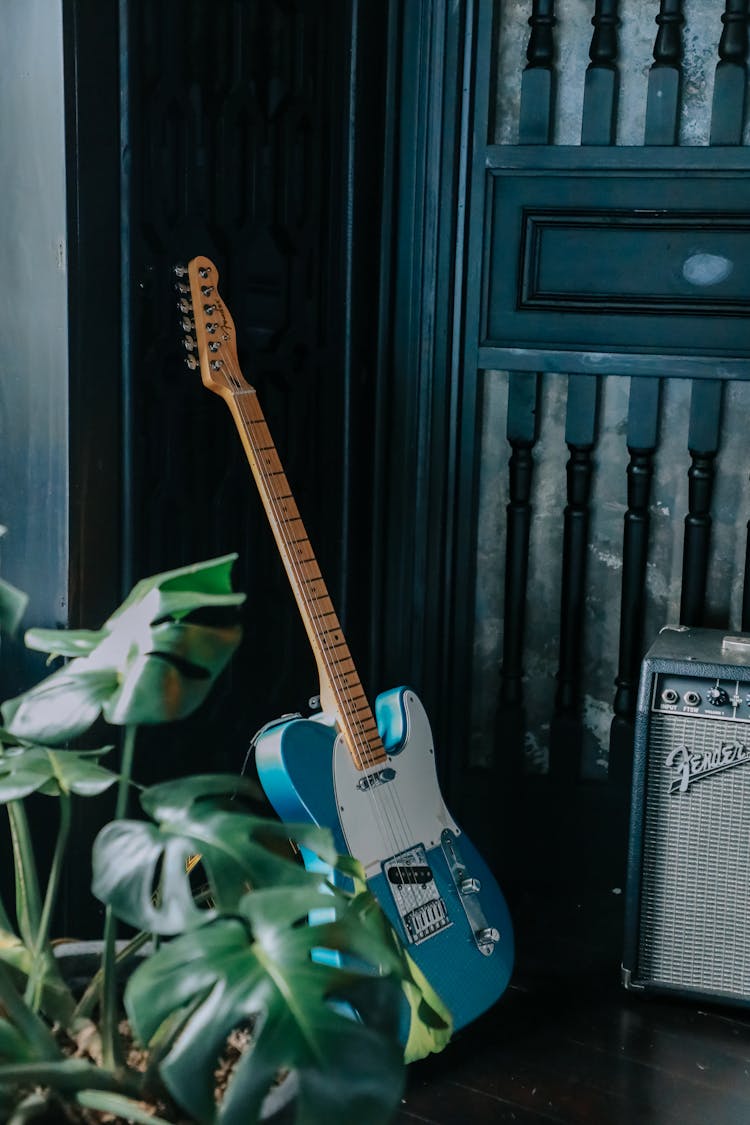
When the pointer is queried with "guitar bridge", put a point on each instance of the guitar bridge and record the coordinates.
(422, 911)
(468, 887)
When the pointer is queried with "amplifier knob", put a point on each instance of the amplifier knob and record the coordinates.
(717, 697)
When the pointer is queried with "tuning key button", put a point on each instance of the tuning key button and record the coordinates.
(180, 270)
(189, 343)
(184, 306)
(188, 324)
(717, 697)
(192, 362)
(181, 287)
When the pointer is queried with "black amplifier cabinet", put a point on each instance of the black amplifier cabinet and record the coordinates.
(688, 891)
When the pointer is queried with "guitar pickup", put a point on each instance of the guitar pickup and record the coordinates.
(414, 876)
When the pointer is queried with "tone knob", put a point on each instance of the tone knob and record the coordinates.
(717, 697)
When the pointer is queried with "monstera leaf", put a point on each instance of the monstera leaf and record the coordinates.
(263, 969)
(27, 768)
(195, 815)
(151, 662)
(13, 602)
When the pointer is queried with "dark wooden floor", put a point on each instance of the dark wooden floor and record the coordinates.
(567, 1044)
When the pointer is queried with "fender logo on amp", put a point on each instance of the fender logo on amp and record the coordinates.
(691, 766)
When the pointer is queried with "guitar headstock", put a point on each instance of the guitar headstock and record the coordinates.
(209, 333)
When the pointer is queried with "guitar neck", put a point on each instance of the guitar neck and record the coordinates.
(341, 690)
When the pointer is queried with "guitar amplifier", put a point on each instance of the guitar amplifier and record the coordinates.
(687, 927)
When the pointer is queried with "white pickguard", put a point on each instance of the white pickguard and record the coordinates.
(389, 818)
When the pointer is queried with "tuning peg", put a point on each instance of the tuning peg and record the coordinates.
(189, 343)
(192, 362)
(185, 306)
(211, 326)
(187, 323)
(207, 290)
(214, 346)
(209, 310)
(180, 270)
(215, 364)
(204, 271)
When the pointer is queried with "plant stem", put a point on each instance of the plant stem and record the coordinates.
(28, 896)
(110, 1040)
(91, 995)
(5, 923)
(41, 953)
(27, 1022)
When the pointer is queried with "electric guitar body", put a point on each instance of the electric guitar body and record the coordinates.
(426, 874)
(367, 775)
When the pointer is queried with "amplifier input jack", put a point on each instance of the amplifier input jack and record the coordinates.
(692, 699)
(669, 695)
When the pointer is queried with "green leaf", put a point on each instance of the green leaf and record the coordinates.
(229, 973)
(149, 663)
(61, 707)
(26, 769)
(13, 603)
(195, 815)
(13, 1046)
(13, 952)
(120, 1107)
(64, 642)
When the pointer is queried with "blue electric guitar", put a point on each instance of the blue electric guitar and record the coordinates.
(369, 777)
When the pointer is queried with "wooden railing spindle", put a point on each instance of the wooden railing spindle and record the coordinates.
(522, 433)
(602, 78)
(665, 77)
(703, 444)
(730, 82)
(538, 79)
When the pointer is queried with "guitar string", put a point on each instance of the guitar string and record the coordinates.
(381, 813)
(344, 692)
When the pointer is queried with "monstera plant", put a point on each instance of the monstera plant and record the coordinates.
(244, 966)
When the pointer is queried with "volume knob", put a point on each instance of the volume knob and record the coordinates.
(717, 697)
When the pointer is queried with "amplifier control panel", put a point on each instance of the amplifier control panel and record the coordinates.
(703, 697)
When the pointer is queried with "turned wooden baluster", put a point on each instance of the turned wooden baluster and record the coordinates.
(523, 398)
(580, 435)
(602, 77)
(703, 444)
(665, 77)
(730, 81)
(538, 78)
